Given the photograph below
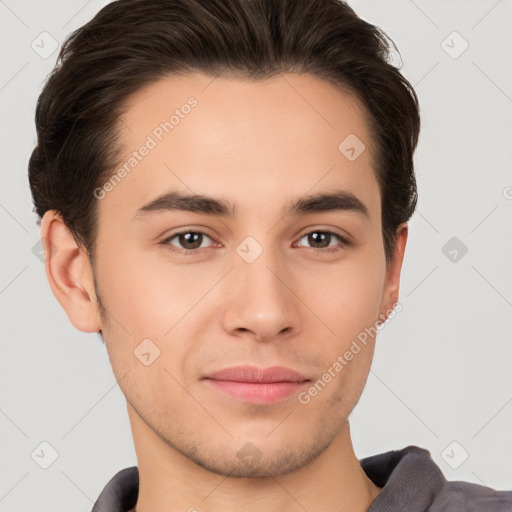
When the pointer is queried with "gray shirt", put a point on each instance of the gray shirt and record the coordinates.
(411, 482)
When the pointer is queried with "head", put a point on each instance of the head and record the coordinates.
(296, 135)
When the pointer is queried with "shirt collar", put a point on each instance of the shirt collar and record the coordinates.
(409, 478)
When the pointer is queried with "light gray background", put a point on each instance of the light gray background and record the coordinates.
(442, 367)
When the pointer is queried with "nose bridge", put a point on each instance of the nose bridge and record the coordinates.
(258, 267)
(263, 302)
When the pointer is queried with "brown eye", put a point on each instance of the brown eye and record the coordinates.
(322, 240)
(189, 241)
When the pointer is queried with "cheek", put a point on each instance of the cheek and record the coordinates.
(150, 301)
(347, 296)
(147, 296)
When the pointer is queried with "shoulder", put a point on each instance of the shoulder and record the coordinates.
(411, 480)
(121, 492)
(455, 496)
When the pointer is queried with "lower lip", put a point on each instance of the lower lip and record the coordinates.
(258, 393)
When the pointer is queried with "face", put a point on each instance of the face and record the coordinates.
(242, 281)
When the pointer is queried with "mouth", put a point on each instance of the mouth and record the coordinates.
(255, 385)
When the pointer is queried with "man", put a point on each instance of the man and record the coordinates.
(224, 189)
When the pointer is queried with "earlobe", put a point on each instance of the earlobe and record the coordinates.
(392, 283)
(69, 273)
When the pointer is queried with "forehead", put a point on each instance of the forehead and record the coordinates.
(260, 142)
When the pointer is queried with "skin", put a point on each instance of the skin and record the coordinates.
(260, 145)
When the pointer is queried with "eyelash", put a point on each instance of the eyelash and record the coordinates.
(344, 241)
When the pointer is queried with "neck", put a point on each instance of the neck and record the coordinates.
(169, 481)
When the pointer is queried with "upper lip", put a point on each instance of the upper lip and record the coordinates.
(253, 374)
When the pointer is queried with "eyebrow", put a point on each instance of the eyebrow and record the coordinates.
(336, 200)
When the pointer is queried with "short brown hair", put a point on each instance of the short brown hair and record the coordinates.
(131, 43)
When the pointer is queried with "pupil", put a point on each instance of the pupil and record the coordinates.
(318, 234)
(187, 237)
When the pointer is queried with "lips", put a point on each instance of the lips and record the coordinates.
(257, 375)
(255, 385)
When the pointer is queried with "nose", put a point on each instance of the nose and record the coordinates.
(261, 299)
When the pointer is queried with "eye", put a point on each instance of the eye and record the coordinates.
(323, 238)
(190, 241)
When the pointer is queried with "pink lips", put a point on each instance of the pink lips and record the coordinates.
(255, 385)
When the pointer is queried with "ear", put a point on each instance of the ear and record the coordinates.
(392, 284)
(69, 273)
